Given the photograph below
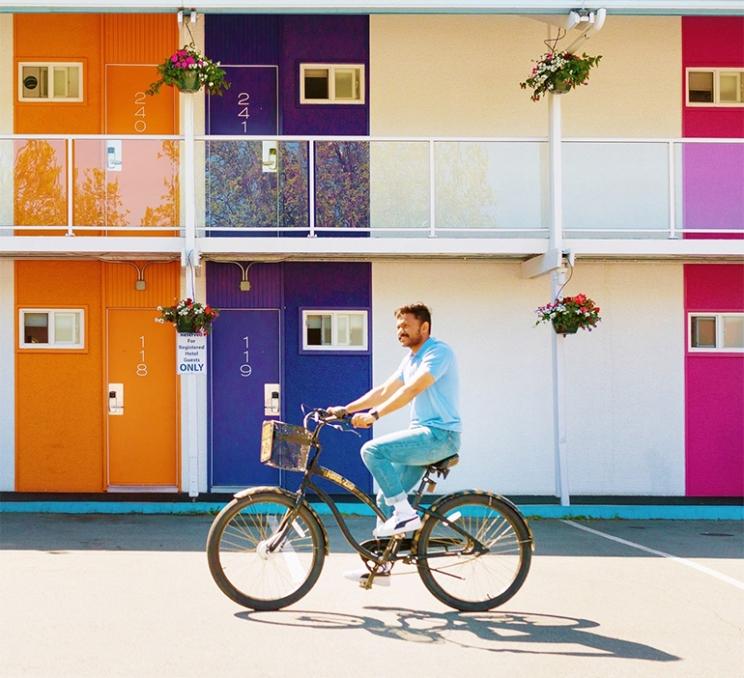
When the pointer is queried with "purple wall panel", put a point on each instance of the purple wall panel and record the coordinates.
(223, 286)
(250, 106)
(242, 39)
(333, 39)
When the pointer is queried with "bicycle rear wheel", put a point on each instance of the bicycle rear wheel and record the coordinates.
(242, 561)
(458, 575)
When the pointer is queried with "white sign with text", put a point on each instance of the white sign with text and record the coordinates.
(191, 354)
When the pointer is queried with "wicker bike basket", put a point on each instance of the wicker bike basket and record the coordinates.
(285, 446)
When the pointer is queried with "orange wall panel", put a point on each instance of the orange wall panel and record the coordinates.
(60, 37)
(59, 418)
(139, 38)
(161, 278)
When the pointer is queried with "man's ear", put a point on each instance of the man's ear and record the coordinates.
(426, 324)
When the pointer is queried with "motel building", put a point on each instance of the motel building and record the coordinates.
(368, 155)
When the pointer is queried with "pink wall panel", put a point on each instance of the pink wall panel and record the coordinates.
(714, 287)
(714, 428)
(713, 193)
(714, 389)
(718, 42)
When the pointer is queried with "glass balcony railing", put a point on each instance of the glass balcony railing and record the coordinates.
(115, 186)
(369, 187)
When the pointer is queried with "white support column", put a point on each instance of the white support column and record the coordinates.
(188, 183)
(7, 375)
(193, 406)
(193, 387)
(557, 278)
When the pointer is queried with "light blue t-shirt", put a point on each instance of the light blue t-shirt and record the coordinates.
(438, 405)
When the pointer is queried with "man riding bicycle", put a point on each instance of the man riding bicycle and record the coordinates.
(427, 378)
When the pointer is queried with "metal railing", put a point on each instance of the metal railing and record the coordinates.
(389, 187)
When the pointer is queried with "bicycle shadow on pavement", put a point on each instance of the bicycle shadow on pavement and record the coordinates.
(512, 632)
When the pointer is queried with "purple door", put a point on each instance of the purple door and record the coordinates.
(244, 390)
(249, 106)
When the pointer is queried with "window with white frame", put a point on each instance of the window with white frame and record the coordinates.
(715, 86)
(334, 330)
(332, 83)
(51, 328)
(50, 81)
(722, 332)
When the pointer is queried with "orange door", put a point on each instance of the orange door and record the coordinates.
(141, 174)
(142, 402)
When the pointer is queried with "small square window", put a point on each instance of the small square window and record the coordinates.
(703, 332)
(50, 81)
(717, 332)
(51, 328)
(336, 330)
(701, 87)
(332, 83)
(317, 83)
(36, 328)
(730, 87)
(733, 331)
(715, 87)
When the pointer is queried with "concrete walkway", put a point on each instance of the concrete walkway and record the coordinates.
(99, 596)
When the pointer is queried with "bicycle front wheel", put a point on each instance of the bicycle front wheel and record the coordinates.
(250, 560)
(454, 571)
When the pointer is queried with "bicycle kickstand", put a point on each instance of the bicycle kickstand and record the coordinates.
(390, 550)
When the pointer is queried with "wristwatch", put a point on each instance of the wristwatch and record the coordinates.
(374, 413)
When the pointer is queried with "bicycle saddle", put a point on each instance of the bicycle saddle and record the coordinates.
(443, 464)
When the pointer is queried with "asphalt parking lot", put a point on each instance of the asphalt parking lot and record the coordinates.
(130, 595)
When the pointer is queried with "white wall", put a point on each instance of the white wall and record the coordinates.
(624, 381)
(7, 306)
(7, 376)
(484, 312)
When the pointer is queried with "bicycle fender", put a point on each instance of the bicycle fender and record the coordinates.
(464, 493)
(290, 495)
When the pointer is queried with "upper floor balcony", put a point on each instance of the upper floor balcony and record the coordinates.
(239, 196)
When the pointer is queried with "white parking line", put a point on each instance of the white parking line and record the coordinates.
(681, 561)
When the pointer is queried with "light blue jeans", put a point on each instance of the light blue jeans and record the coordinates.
(397, 460)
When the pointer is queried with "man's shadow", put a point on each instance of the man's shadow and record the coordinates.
(513, 632)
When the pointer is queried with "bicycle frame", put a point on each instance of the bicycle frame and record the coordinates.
(314, 469)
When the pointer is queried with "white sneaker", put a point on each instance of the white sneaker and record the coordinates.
(360, 576)
(397, 525)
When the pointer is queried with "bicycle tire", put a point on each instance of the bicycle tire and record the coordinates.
(239, 560)
(453, 579)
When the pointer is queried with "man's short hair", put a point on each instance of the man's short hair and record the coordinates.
(419, 311)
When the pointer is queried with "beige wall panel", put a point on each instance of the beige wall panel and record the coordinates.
(459, 76)
(636, 91)
(6, 121)
(453, 76)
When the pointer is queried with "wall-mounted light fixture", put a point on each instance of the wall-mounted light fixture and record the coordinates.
(245, 284)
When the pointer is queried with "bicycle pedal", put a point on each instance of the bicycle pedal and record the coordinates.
(367, 581)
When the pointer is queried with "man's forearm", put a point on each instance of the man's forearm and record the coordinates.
(405, 394)
(369, 399)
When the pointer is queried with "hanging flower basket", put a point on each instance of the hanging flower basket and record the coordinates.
(188, 316)
(189, 70)
(559, 72)
(570, 314)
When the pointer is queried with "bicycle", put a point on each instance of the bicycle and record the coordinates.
(266, 547)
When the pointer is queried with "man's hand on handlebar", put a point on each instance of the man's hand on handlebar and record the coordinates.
(337, 411)
(358, 420)
(362, 420)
